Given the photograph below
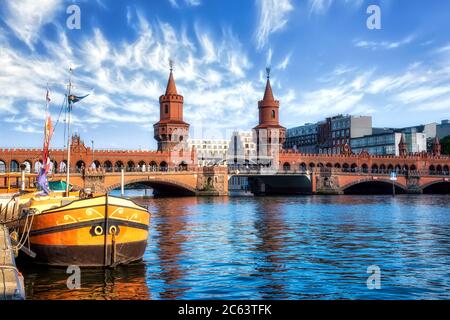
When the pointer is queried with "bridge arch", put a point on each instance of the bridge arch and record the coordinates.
(437, 187)
(374, 168)
(370, 186)
(2, 166)
(161, 187)
(153, 165)
(28, 166)
(14, 166)
(108, 166)
(302, 166)
(131, 166)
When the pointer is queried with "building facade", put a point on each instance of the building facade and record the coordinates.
(210, 152)
(242, 149)
(388, 142)
(443, 129)
(328, 136)
(303, 139)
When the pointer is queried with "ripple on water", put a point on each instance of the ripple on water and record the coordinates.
(308, 247)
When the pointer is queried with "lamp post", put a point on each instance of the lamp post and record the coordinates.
(92, 143)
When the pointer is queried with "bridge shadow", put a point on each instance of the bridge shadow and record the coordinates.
(373, 188)
(437, 188)
(161, 189)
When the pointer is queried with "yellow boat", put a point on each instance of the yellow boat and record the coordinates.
(95, 231)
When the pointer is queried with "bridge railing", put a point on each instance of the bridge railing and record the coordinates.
(347, 171)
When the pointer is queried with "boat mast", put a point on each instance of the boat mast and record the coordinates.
(68, 133)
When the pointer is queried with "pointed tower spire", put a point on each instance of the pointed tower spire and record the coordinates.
(268, 94)
(269, 134)
(436, 147)
(171, 87)
(171, 131)
(402, 147)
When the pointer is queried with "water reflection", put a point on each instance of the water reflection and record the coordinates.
(169, 225)
(126, 283)
(270, 230)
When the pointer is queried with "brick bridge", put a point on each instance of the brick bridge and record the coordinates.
(195, 181)
(351, 173)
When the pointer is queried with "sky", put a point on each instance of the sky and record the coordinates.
(324, 61)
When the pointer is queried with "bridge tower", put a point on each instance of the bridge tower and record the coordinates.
(436, 147)
(269, 135)
(402, 147)
(171, 132)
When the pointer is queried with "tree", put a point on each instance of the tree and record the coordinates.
(445, 145)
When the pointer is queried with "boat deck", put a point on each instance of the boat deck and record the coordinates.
(11, 280)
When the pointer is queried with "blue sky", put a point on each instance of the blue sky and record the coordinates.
(324, 61)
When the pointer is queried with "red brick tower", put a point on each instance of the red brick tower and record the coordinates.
(436, 147)
(269, 134)
(402, 147)
(171, 131)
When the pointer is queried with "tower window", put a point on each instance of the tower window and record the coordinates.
(273, 114)
(166, 108)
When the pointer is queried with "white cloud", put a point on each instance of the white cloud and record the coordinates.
(27, 17)
(383, 45)
(322, 6)
(284, 63)
(189, 3)
(27, 129)
(6, 106)
(272, 18)
(129, 75)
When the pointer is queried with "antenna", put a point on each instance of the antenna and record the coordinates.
(268, 72)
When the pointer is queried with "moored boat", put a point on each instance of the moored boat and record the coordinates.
(65, 228)
(88, 232)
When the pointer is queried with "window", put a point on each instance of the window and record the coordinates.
(166, 108)
(273, 114)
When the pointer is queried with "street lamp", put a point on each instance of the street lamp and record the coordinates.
(92, 143)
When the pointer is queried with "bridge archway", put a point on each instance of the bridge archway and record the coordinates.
(2, 166)
(108, 166)
(161, 187)
(14, 166)
(80, 164)
(370, 186)
(437, 187)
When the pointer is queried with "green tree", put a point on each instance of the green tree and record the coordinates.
(445, 145)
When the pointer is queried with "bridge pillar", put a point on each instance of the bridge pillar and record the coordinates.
(413, 185)
(212, 181)
(94, 180)
(327, 183)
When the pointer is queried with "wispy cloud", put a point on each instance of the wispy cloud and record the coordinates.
(26, 17)
(190, 3)
(272, 18)
(322, 6)
(284, 63)
(383, 45)
(129, 76)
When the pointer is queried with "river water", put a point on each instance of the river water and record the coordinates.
(303, 247)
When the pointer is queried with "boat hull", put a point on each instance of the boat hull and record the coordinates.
(97, 232)
(88, 256)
